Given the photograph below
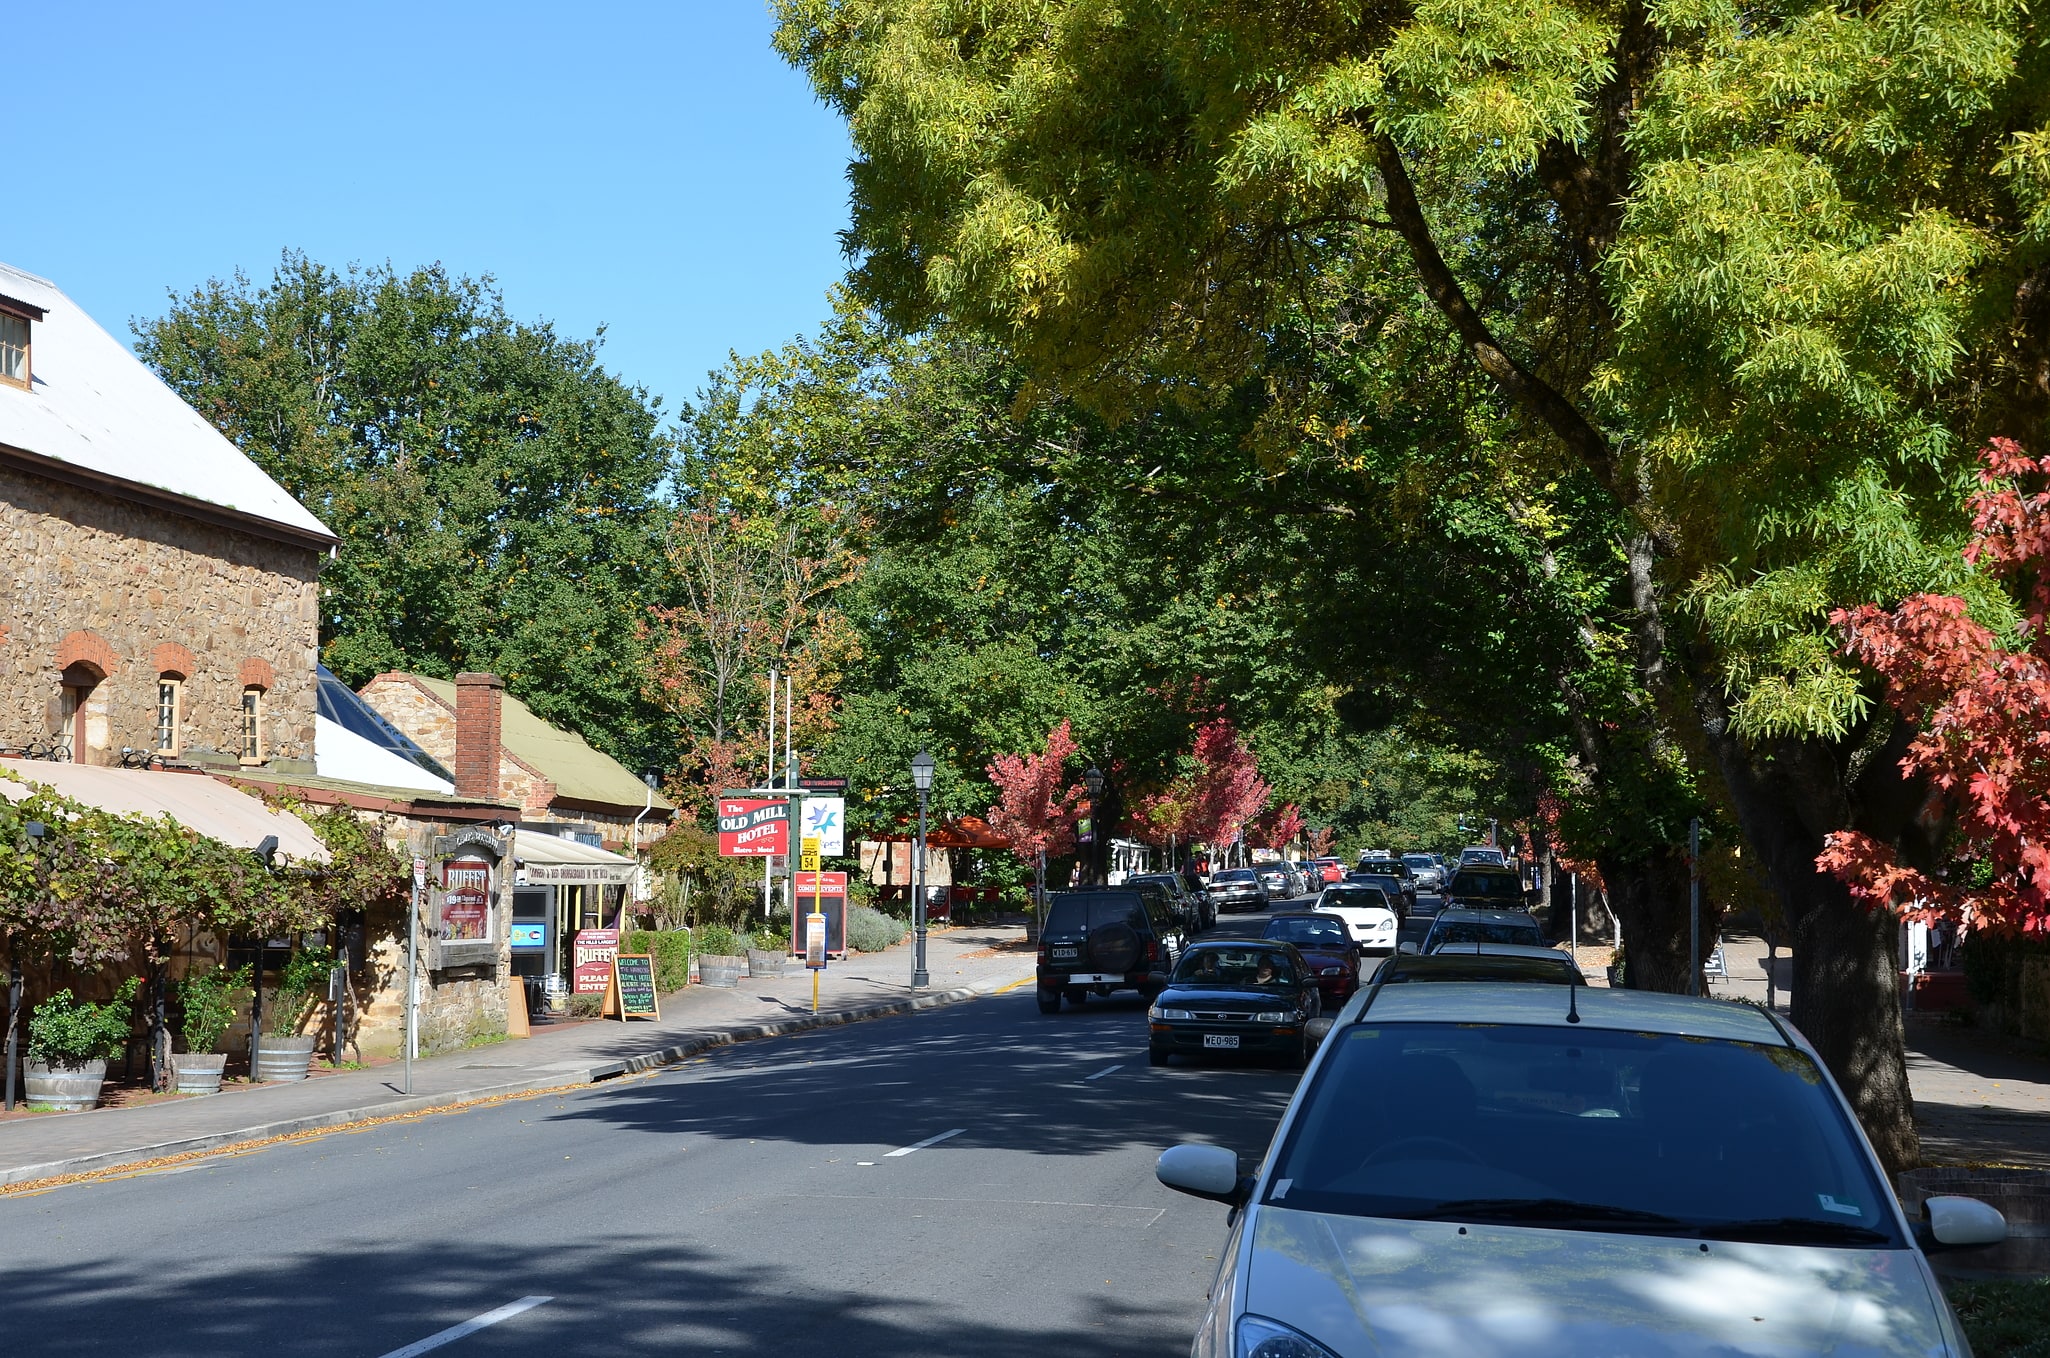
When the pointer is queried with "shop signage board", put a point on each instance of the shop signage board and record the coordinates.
(829, 889)
(529, 935)
(753, 827)
(830, 786)
(825, 819)
(595, 950)
(465, 900)
(634, 975)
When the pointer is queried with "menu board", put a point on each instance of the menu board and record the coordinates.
(465, 900)
(595, 949)
(635, 974)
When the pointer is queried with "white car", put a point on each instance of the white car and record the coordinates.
(1373, 926)
(1553, 1172)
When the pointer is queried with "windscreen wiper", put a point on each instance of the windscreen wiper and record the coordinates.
(1795, 1231)
(1554, 1211)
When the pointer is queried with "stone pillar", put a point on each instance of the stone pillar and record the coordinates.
(479, 708)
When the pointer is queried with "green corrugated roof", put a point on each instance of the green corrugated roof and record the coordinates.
(564, 758)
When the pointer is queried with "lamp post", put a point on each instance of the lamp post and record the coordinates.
(921, 777)
(1093, 780)
(36, 832)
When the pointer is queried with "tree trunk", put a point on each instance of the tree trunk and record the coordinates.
(1649, 897)
(1846, 998)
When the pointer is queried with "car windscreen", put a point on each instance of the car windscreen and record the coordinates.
(1234, 875)
(1250, 966)
(1482, 884)
(1370, 897)
(1476, 967)
(1581, 1129)
(1486, 931)
(1418, 860)
(1087, 914)
(1310, 933)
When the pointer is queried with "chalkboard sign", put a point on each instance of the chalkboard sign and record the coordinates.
(634, 975)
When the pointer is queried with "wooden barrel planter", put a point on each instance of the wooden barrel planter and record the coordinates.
(716, 970)
(68, 1089)
(284, 1059)
(2020, 1195)
(764, 964)
(198, 1073)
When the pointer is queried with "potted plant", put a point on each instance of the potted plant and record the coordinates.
(768, 950)
(719, 959)
(208, 1001)
(69, 1044)
(285, 1053)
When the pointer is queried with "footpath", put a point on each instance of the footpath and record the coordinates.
(964, 963)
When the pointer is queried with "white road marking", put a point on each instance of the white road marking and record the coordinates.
(921, 1145)
(468, 1327)
(1101, 1073)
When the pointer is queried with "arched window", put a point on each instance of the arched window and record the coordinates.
(170, 711)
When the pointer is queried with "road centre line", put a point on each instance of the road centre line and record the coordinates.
(468, 1327)
(921, 1145)
(1101, 1073)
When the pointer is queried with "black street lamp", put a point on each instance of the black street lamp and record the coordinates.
(921, 777)
(1093, 780)
(37, 832)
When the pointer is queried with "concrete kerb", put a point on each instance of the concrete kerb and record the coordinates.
(554, 1078)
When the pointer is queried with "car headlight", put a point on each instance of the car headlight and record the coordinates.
(1156, 1012)
(1260, 1337)
(1276, 1016)
(1332, 971)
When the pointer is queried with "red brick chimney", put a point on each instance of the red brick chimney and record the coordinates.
(478, 746)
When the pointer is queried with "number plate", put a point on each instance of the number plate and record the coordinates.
(1229, 1041)
(1067, 954)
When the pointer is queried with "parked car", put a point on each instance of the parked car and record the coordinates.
(1244, 996)
(1329, 870)
(1515, 927)
(1326, 943)
(1237, 889)
(1117, 938)
(1275, 877)
(1481, 962)
(1367, 913)
(1455, 1151)
(1424, 871)
(1194, 906)
(1486, 888)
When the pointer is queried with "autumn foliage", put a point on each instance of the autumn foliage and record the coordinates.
(1983, 713)
(1037, 806)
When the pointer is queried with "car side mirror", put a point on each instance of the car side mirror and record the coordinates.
(1409, 950)
(1204, 1172)
(1959, 1223)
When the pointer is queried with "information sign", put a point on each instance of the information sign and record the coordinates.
(815, 942)
(595, 949)
(825, 819)
(808, 857)
(634, 974)
(753, 827)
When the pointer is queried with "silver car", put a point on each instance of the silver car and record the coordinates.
(1553, 1171)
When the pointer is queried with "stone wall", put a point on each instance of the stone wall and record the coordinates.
(431, 724)
(131, 591)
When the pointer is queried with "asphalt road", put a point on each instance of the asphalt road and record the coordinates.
(791, 1197)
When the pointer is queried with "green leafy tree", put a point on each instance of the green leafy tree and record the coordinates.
(495, 489)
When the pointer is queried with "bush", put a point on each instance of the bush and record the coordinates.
(671, 950)
(207, 1001)
(2006, 1318)
(717, 940)
(870, 930)
(63, 1032)
(302, 982)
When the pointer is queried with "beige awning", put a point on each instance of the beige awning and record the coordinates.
(550, 860)
(194, 800)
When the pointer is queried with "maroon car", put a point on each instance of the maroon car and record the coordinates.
(1326, 944)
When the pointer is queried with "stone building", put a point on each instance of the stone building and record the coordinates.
(161, 591)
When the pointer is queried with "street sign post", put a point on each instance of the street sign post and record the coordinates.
(412, 974)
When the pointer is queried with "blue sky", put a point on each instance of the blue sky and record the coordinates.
(654, 168)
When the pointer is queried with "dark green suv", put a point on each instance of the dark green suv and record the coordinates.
(1115, 938)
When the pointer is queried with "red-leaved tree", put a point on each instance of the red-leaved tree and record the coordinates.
(1983, 713)
(1226, 790)
(1278, 826)
(1037, 806)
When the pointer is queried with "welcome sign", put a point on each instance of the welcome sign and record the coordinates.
(753, 827)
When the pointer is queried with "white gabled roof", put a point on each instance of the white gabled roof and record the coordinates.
(96, 407)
